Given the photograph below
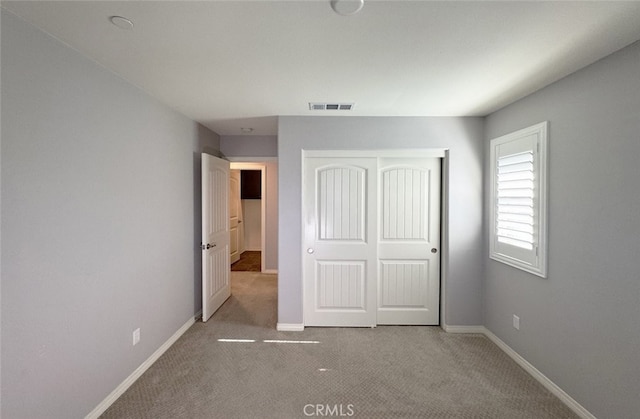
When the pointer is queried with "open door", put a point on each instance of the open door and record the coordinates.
(215, 234)
(235, 217)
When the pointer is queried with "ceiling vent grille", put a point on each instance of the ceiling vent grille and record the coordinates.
(316, 106)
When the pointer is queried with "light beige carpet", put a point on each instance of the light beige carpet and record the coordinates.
(386, 372)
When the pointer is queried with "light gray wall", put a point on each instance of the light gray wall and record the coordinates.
(0, 225)
(253, 148)
(252, 222)
(463, 136)
(271, 218)
(249, 145)
(100, 219)
(580, 326)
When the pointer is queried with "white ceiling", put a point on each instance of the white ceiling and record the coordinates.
(234, 64)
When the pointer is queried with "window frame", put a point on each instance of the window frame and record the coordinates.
(535, 260)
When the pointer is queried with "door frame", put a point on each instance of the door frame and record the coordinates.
(243, 164)
(239, 227)
(443, 155)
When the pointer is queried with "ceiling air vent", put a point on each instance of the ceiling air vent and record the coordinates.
(316, 106)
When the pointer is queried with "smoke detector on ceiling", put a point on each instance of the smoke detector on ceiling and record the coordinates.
(332, 106)
(121, 22)
(347, 7)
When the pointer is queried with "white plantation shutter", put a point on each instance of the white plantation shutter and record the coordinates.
(518, 197)
(515, 183)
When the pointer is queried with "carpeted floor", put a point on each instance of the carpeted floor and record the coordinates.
(250, 261)
(386, 372)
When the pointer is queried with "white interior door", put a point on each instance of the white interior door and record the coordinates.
(371, 240)
(215, 234)
(235, 215)
(409, 241)
(340, 242)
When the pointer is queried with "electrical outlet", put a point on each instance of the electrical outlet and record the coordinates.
(136, 336)
(516, 322)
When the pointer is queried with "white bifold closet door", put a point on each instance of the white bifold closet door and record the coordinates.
(340, 247)
(371, 241)
(409, 241)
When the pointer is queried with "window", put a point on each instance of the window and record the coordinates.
(519, 199)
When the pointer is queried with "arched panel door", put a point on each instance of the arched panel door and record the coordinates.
(409, 242)
(339, 253)
(371, 241)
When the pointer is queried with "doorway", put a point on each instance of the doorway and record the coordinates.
(247, 216)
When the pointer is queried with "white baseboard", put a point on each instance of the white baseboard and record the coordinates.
(270, 271)
(299, 327)
(533, 371)
(540, 377)
(290, 327)
(111, 398)
(464, 329)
